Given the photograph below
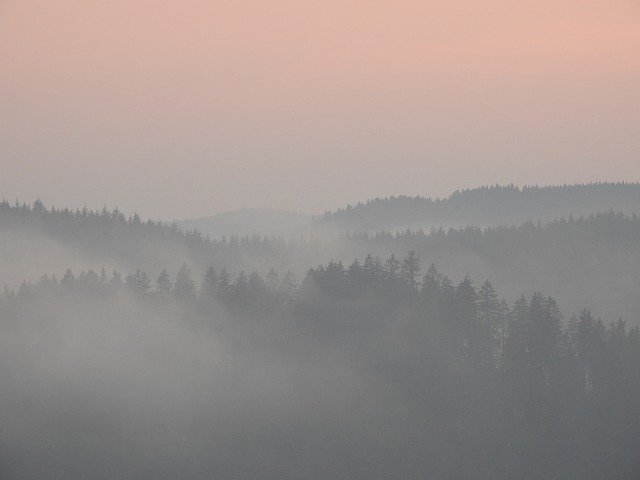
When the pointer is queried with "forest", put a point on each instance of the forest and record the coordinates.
(535, 394)
(600, 249)
(141, 350)
(487, 206)
(320, 240)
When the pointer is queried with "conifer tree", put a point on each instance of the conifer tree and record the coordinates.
(185, 287)
(210, 283)
(410, 269)
(163, 283)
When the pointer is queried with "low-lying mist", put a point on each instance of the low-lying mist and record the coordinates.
(361, 371)
(121, 389)
(584, 261)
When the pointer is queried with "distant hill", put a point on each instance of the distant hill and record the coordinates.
(485, 206)
(264, 221)
(35, 240)
(592, 261)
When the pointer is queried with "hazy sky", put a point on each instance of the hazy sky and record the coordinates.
(189, 108)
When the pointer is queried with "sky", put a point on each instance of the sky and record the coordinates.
(186, 109)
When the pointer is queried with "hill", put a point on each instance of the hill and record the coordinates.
(265, 221)
(589, 261)
(486, 206)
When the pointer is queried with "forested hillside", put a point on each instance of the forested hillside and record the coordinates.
(380, 368)
(38, 240)
(588, 261)
(486, 206)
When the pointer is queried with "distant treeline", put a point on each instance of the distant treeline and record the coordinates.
(113, 230)
(484, 206)
(586, 260)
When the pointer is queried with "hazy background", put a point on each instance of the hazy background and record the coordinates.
(184, 109)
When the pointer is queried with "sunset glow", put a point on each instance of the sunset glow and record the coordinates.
(376, 97)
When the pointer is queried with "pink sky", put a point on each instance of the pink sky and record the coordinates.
(181, 109)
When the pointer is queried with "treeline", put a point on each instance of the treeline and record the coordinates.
(112, 228)
(215, 285)
(485, 206)
(110, 235)
(518, 390)
(84, 225)
(585, 260)
(481, 330)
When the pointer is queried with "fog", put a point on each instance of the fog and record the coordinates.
(28, 256)
(330, 356)
(95, 390)
(328, 240)
(357, 372)
(585, 262)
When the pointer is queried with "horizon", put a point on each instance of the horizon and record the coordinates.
(184, 110)
(354, 204)
(364, 240)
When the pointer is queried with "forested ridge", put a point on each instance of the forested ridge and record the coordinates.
(487, 206)
(517, 389)
(379, 367)
(600, 249)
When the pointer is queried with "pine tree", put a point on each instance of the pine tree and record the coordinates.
(115, 283)
(185, 287)
(468, 324)
(431, 290)
(289, 285)
(240, 289)
(392, 267)
(491, 322)
(104, 280)
(410, 269)
(138, 282)
(68, 279)
(256, 286)
(514, 355)
(210, 283)
(273, 282)
(224, 284)
(163, 283)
